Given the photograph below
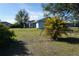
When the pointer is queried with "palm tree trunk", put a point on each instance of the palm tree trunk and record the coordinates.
(55, 36)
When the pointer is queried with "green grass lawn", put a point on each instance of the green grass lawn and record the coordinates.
(40, 45)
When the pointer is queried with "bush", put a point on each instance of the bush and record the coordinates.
(55, 27)
(5, 35)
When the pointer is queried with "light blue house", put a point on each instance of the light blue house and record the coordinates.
(40, 23)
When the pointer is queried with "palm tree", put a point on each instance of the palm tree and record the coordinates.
(55, 27)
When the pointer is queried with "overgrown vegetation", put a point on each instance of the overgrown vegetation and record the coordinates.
(64, 10)
(5, 35)
(55, 27)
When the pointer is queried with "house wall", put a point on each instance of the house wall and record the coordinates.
(37, 25)
(32, 25)
(40, 24)
(72, 25)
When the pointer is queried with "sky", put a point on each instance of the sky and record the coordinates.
(8, 11)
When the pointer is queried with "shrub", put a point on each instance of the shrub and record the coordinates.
(55, 27)
(5, 35)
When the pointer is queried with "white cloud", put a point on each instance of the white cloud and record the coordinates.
(34, 15)
(10, 20)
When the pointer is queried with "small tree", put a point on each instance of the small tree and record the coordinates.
(55, 27)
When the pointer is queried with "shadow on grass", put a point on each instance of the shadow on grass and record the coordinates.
(71, 40)
(14, 48)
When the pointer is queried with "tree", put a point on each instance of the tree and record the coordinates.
(22, 18)
(64, 10)
(55, 27)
